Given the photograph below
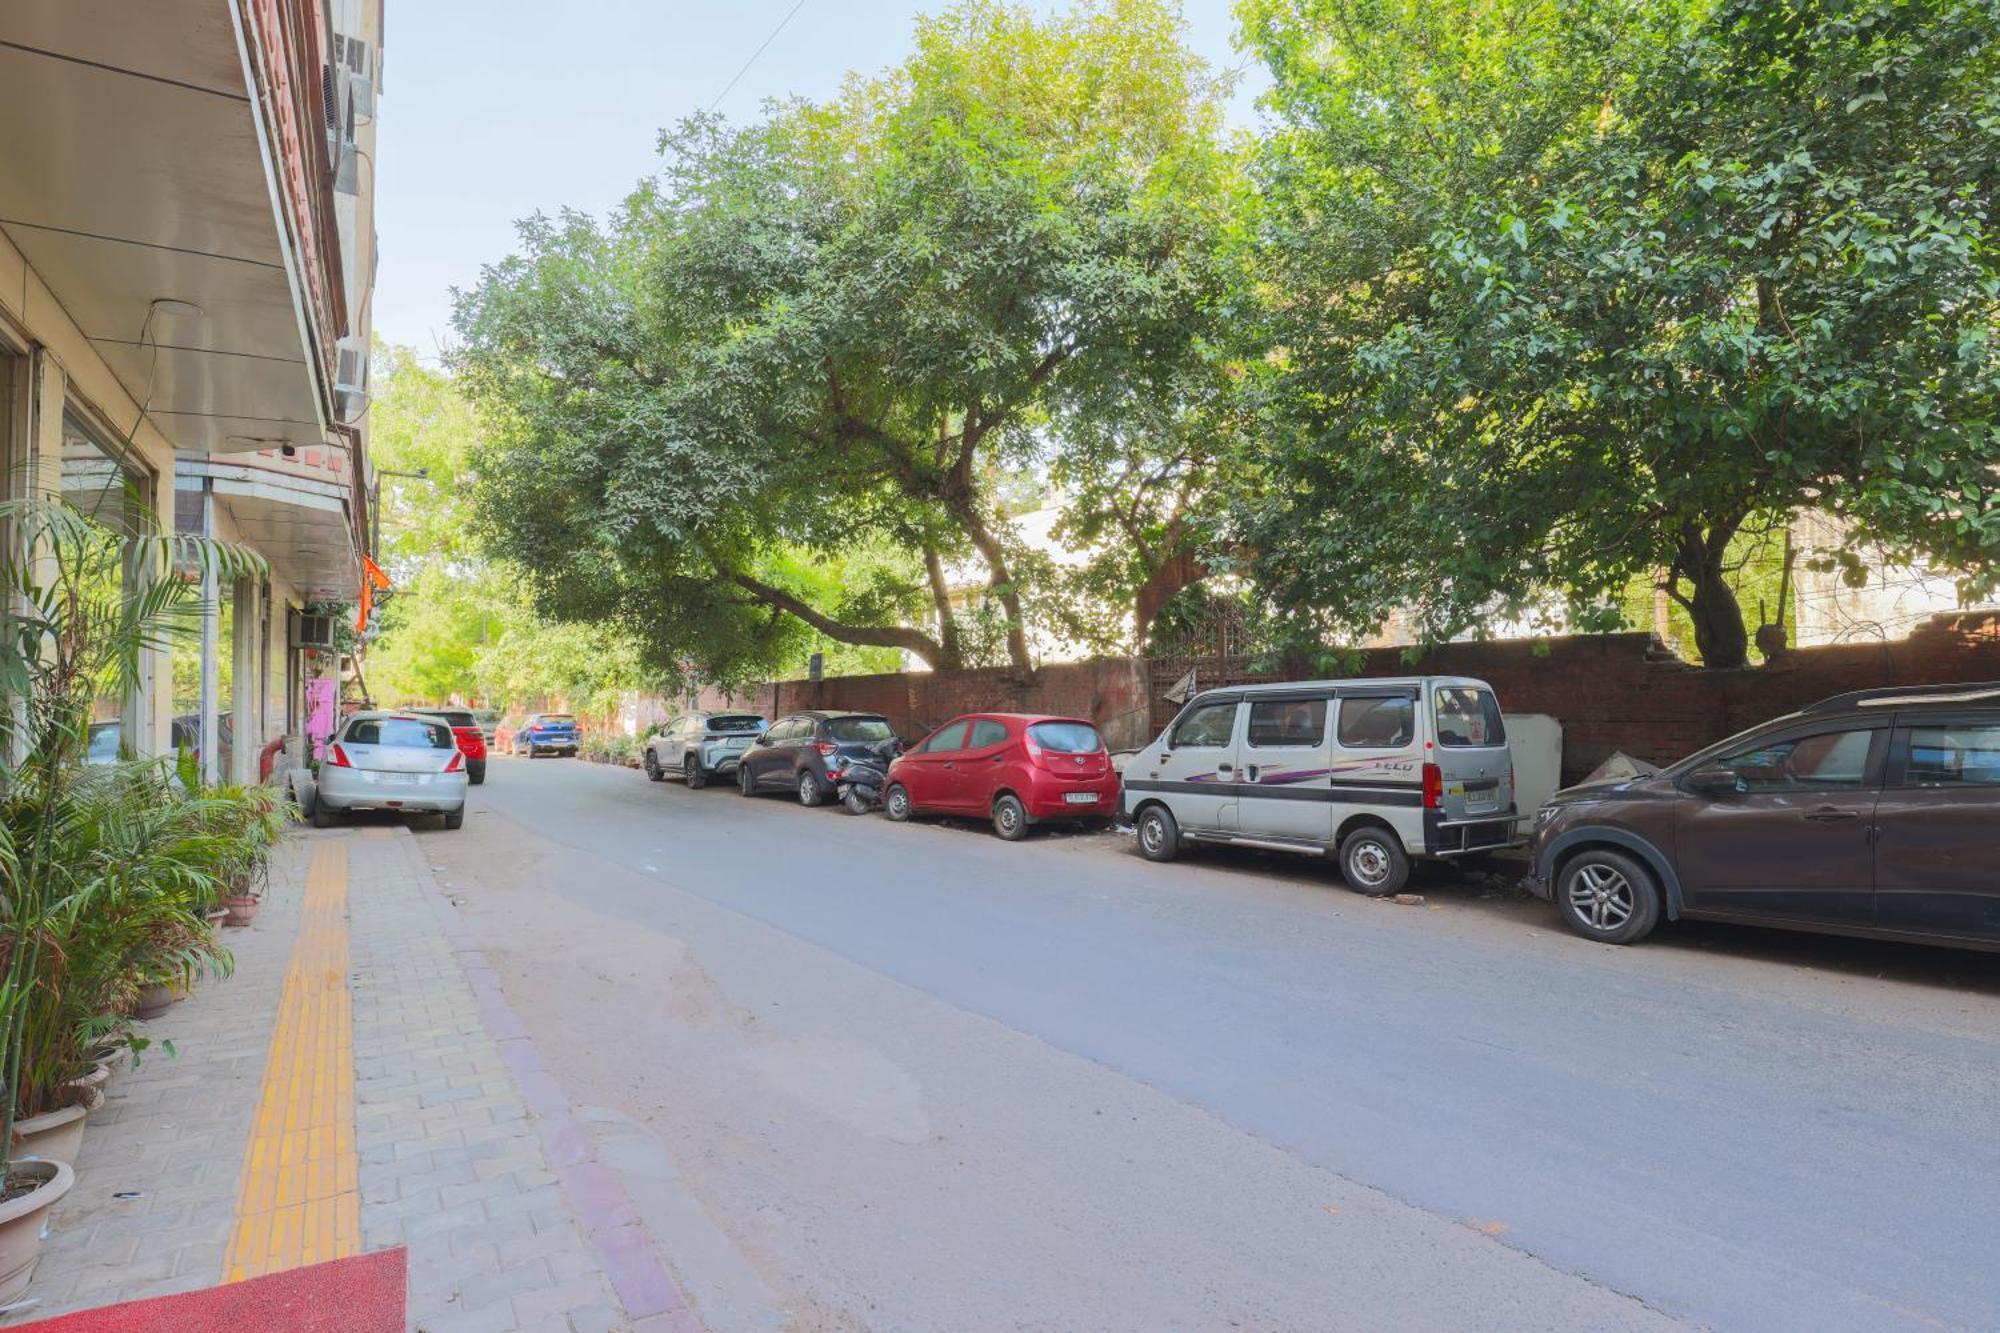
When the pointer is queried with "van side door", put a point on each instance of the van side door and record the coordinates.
(1284, 763)
(1937, 842)
(1193, 767)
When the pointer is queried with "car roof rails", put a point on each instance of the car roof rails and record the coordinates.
(1984, 692)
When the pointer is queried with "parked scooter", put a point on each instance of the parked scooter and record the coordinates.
(860, 787)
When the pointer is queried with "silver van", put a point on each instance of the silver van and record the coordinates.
(1373, 771)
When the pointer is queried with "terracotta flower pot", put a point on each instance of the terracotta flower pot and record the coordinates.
(54, 1136)
(22, 1220)
(241, 908)
(215, 916)
(155, 999)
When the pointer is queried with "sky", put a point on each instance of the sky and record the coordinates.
(494, 109)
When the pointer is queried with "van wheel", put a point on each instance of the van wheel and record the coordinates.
(1372, 862)
(896, 803)
(654, 773)
(1159, 835)
(695, 775)
(1608, 897)
(1010, 818)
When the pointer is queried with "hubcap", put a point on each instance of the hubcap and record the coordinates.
(1601, 897)
(1154, 834)
(806, 789)
(1369, 862)
(1009, 817)
(898, 801)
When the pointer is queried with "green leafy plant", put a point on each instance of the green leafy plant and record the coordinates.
(105, 869)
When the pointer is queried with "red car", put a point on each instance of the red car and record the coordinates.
(1017, 769)
(471, 740)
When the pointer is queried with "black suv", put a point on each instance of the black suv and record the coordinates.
(807, 752)
(1873, 813)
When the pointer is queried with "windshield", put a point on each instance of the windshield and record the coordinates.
(860, 729)
(402, 732)
(747, 724)
(1468, 717)
(1067, 737)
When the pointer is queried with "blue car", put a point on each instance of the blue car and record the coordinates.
(546, 733)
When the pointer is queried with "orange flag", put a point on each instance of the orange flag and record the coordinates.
(372, 578)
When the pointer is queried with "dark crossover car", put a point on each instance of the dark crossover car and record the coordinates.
(1873, 813)
(807, 752)
(699, 746)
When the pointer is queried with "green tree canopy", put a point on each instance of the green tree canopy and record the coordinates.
(835, 330)
(1565, 295)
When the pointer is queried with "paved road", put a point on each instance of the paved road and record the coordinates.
(875, 1076)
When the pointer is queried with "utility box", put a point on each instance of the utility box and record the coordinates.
(1535, 742)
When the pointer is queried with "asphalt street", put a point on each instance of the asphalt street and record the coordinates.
(861, 1075)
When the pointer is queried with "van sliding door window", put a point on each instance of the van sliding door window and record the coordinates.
(1287, 722)
(1383, 722)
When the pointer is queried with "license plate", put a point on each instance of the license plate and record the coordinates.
(404, 779)
(1476, 807)
(1080, 797)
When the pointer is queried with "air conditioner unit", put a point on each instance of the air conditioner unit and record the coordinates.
(350, 381)
(311, 631)
(358, 59)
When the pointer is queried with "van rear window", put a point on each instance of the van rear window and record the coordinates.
(1467, 718)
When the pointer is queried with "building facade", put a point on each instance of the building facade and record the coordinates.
(187, 256)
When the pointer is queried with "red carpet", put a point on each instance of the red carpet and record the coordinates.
(359, 1295)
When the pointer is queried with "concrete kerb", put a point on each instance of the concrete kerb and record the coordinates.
(642, 1283)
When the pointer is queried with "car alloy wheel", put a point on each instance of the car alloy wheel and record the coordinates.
(745, 784)
(653, 770)
(808, 788)
(1608, 897)
(896, 803)
(693, 773)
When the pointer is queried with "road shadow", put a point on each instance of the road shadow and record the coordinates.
(1497, 893)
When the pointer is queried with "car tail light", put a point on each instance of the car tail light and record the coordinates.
(456, 763)
(337, 757)
(1433, 786)
(827, 749)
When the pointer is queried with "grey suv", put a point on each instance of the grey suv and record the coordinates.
(1873, 813)
(699, 746)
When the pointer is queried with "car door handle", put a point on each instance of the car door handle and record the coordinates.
(1827, 814)
(949, 764)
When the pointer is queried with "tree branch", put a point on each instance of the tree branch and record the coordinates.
(868, 636)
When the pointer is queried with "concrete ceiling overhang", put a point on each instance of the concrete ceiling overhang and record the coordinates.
(131, 172)
(302, 526)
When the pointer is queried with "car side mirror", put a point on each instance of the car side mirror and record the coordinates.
(1714, 780)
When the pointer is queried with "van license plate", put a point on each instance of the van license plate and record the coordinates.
(1477, 807)
(1080, 797)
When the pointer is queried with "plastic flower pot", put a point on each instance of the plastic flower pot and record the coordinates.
(54, 1136)
(23, 1219)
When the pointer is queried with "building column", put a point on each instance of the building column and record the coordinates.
(248, 683)
(211, 617)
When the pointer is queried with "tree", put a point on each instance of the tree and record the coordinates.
(838, 327)
(1574, 294)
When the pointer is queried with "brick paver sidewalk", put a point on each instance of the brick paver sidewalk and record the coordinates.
(357, 1084)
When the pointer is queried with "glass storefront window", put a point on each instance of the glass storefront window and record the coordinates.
(98, 480)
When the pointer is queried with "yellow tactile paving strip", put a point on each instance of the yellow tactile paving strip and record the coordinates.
(300, 1202)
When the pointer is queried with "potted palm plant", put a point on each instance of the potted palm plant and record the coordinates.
(89, 862)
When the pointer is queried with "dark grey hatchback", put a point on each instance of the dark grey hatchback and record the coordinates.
(807, 752)
(1874, 813)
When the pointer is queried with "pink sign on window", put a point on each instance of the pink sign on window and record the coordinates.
(319, 714)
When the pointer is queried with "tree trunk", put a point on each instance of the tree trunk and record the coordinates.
(1719, 636)
(1001, 581)
(951, 651)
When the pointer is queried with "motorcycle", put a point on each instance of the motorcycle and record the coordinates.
(860, 786)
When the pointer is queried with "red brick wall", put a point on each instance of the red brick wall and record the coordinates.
(1610, 692)
(1617, 692)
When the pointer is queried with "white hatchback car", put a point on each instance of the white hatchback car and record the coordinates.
(1373, 771)
(391, 761)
